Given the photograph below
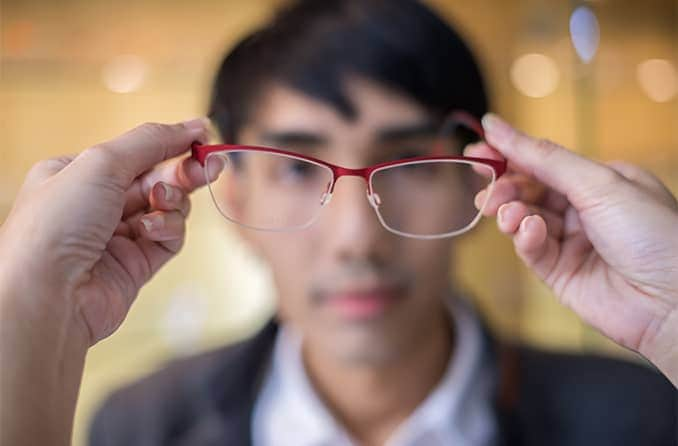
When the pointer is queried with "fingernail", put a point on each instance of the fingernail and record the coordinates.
(153, 223)
(501, 214)
(215, 166)
(528, 224)
(196, 124)
(169, 193)
(495, 125)
(469, 148)
(479, 200)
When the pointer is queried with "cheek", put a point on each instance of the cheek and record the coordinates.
(430, 261)
(290, 257)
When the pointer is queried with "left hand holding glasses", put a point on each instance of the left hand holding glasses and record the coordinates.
(603, 237)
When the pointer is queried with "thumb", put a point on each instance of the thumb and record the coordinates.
(45, 169)
(580, 179)
(139, 150)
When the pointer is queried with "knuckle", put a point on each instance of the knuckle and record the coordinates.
(621, 165)
(58, 162)
(518, 205)
(39, 165)
(174, 246)
(635, 173)
(186, 207)
(608, 175)
(602, 184)
(181, 221)
(98, 153)
(175, 222)
(153, 129)
(104, 161)
(101, 156)
(546, 147)
(49, 166)
(175, 227)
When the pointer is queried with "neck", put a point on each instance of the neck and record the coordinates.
(372, 400)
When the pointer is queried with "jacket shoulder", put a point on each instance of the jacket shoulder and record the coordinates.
(166, 405)
(591, 399)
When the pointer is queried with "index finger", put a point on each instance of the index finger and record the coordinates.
(578, 178)
(523, 187)
(142, 148)
(482, 150)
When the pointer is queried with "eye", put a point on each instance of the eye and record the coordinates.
(299, 168)
(291, 170)
(236, 159)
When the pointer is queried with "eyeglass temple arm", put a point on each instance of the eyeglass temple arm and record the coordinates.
(473, 123)
(466, 119)
(198, 154)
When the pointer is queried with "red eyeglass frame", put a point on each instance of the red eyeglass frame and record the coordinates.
(200, 152)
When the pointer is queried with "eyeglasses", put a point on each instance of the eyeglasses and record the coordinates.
(427, 196)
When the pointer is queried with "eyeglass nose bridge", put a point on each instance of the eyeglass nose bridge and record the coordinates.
(363, 173)
(339, 172)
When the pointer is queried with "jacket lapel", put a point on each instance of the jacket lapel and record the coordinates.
(230, 392)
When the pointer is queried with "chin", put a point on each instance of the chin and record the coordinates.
(365, 345)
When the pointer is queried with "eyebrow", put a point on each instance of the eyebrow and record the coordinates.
(294, 138)
(406, 131)
(310, 139)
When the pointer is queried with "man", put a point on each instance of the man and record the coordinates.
(371, 344)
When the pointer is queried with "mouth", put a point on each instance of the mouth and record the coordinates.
(363, 303)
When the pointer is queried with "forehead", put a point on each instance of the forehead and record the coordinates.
(377, 107)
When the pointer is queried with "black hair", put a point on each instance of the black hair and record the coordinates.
(313, 45)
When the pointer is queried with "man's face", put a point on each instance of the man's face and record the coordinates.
(353, 289)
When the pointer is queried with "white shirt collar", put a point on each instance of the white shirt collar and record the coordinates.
(458, 411)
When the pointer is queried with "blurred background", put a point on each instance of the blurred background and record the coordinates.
(599, 76)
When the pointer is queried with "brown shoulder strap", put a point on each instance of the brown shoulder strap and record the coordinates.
(509, 377)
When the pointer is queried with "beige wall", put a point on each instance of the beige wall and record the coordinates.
(53, 101)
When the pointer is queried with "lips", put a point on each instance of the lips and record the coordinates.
(366, 303)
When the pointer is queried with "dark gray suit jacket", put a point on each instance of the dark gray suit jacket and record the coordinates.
(542, 399)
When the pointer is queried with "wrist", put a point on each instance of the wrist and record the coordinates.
(33, 313)
(42, 349)
(663, 350)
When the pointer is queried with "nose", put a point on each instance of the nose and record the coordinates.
(351, 225)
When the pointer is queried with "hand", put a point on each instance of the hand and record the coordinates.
(604, 238)
(90, 231)
(84, 235)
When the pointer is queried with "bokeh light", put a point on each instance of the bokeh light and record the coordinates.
(585, 33)
(658, 79)
(535, 75)
(124, 74)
